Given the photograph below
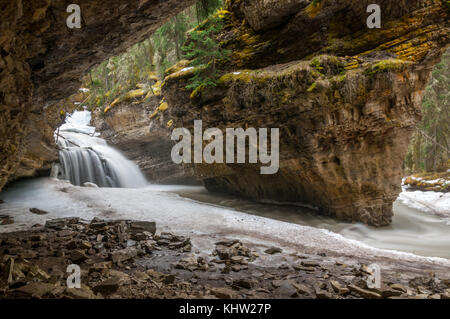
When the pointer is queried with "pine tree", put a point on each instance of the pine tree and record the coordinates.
(204, 53)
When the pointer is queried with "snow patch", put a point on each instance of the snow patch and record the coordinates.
(430, 202)
(187, 69)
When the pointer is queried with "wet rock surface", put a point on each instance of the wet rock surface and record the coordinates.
(130, 259)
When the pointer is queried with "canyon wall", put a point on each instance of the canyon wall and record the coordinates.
(42, 62)
(345, 97)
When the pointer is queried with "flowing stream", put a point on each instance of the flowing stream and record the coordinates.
(411, 230)
(86, 158)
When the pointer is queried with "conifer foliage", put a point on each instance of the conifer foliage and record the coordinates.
(146, 62)
(205, 53)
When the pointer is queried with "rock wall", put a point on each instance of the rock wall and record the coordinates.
(42, 61)
(346, 98)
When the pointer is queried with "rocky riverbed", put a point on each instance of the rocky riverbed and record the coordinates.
(130, 259)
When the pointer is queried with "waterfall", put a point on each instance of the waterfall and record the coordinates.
(85, 158)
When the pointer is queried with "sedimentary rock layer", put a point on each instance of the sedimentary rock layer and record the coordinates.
(346, 98)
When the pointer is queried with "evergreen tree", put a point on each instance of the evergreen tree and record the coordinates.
(204, 53)
(118, 75)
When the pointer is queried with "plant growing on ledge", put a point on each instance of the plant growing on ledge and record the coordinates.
(205, 53)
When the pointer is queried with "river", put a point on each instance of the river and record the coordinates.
(88, 159)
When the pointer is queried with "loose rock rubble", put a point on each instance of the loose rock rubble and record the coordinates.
(128, 259)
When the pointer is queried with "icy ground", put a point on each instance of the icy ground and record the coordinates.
(204, 223)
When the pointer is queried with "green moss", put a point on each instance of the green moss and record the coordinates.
(243, 76)
(312, 87)
(183, 73)
(389, 65)
(315, 63)
(314, 8)
(198, 92)
(177, 67)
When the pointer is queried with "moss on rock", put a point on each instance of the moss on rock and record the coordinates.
(388, 65)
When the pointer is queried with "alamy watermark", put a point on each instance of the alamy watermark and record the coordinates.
(374, 279)
(214, 151)
(74, 279)
(74, 19)
(235, 147)
(374, 19)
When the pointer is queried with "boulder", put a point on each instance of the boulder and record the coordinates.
(84, 292)
(287, 289)
(345, 113)
(92, 185)
(101, 267)
(273, 250)
(301, 289)
(6, 220)
(363, 292)
(78, 256)
(108, 286)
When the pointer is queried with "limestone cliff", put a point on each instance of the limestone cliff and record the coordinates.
(346, 98)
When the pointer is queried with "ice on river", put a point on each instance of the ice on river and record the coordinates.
(205, 223)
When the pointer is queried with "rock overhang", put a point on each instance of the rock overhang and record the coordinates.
(345, 97)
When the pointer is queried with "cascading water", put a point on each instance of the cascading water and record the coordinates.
(85, 158)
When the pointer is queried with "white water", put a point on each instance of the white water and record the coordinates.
(88, 159)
